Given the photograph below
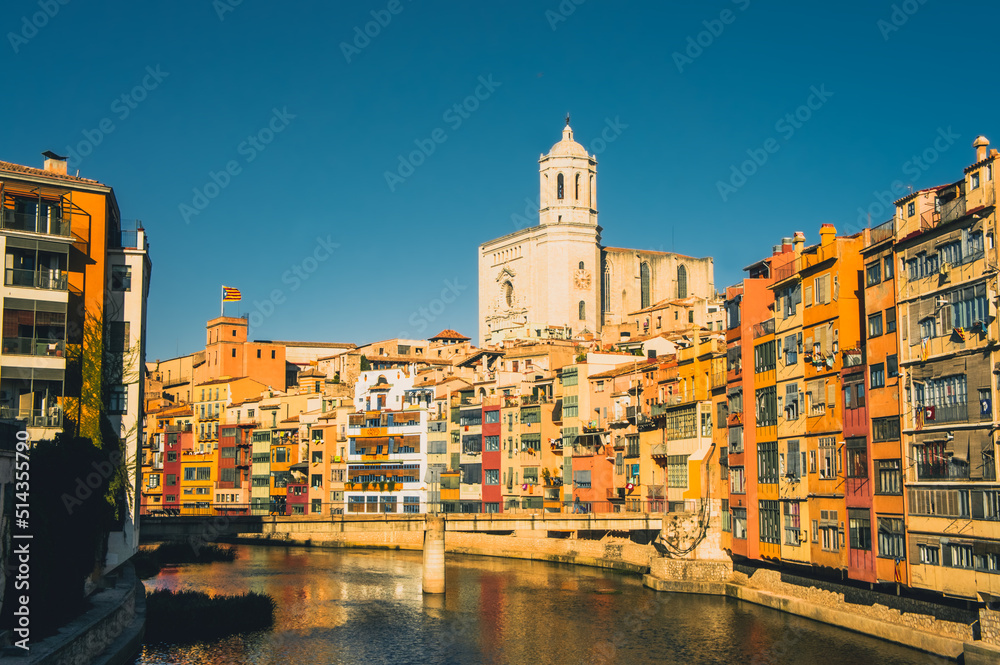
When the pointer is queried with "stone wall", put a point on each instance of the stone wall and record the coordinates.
(109, 633)
(989, 626)
(917, 618)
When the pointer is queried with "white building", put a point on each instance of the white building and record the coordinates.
(387, 445)
(558, 275)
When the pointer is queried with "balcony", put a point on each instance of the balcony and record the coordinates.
(35, 279)
(178, 428)
(33, 346)
(942, 471)
(34, 223)
(951, 413)
(658, 450)
(763, 328)
(34, 418)
(881, 232)
(952, 210)
(656, 491)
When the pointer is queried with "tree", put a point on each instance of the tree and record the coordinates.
(365, 365)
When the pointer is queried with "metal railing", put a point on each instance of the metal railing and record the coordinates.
(34, 223)
(311, 510)
(952, 209)
(882, 232)
(38, 279)
(946, 414)
(763, 328)
(34, 418)
(33, 346)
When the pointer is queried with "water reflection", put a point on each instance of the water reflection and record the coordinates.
(358, 606)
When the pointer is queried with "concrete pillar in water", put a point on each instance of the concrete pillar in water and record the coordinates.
(434, 554)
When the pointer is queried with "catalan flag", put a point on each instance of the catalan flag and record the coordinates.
(229, 294)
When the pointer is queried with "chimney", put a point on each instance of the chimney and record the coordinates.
(54, 163)
(827, 233)
(775, 250)
(800, 241)
(980, 144)
(786, 245)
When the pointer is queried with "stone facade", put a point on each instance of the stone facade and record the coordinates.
(557, 275)
(989, 626)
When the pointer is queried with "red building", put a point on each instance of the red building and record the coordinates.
(492, 491)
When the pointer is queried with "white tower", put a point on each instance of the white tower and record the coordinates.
(568, 183)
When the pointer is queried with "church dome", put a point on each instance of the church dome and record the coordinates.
(568, 147)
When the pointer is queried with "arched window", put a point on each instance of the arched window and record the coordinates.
(559, 186)
(508, 293)
(576, 194)
(583, 311)
(682, 282)
(581, 265)
(593, 200)
(606, 289)
(644, 285)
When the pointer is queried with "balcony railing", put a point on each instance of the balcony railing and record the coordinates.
(35, 418)
(658, 450)
(952, 209)
(178, 428)
(946, 414)
(943, 471)
(763, 328)
(34, 223)
(32, 346)
(881, 232)
(35, 279)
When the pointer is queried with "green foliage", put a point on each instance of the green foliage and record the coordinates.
(70, 522)
(365, 365)
(194, 616)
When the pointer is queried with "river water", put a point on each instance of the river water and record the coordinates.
(366, 607)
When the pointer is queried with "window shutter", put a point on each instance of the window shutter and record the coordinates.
(977, 504)
(831, 395)
(945, 555)
(809, 295)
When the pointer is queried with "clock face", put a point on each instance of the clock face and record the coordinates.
(582, 279)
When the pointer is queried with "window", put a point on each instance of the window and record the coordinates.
(887, 267)
(857, 457)
(827, 457)
(492, 442)
(816, 398)
(492, 416)
(891, 538)
(770, 526)
(119, 336)
(877, 375)
(763, 357)
(890, 320)
(854, 395)
(272, 354)
(582, 311)
(767, 462)
(873, 274)
(861, 529)
(875, 325)
(960, 555)
(737, 480)
(969, 306)
(767, 407)
(793, 470)
(644, 285)
(576, 195)
(121, 278)
(726, 516)
(682, 282)
(892, 366)
(677, 475)
(492, 476)
(736, 439)
(910, 209)
(740, 523)
(792, 401)
(885, 429)
(560, 186)
(929, 555)
(793, 532)
(974, 180)
(118, 400)
(890, 476)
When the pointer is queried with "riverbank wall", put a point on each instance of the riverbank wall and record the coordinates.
(110, 632)
(941, 630)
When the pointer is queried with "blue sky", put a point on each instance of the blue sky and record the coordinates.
(325, 247)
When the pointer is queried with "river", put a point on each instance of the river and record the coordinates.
(366, 607)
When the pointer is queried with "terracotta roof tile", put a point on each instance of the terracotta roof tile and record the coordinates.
(10, 167)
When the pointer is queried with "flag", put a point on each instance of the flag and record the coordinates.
(229, 294)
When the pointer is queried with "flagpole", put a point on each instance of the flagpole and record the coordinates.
(222, 301)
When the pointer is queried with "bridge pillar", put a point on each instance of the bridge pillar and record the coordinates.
(434, 554)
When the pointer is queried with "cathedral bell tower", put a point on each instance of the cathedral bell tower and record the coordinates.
(568, 183)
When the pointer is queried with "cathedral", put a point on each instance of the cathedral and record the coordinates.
(556, 279)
